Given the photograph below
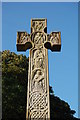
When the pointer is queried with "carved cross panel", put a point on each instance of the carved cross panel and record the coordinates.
(38, 102)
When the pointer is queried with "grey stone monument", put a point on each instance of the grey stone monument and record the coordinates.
(38, 106)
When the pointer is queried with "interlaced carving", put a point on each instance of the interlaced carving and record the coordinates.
(38, 104)
(38, 101)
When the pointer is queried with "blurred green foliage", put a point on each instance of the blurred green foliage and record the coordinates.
(14, 90)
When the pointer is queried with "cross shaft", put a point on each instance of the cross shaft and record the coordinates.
(38, 105)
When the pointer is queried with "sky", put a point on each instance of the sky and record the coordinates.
(63, 66)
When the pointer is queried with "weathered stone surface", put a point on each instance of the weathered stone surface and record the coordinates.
(38, 106)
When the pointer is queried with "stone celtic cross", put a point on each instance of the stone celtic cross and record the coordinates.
(38, 106)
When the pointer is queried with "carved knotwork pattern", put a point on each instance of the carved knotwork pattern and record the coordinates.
(38, 26)
(38, 101)
(54, 38)
(38, 105)
(23, 37)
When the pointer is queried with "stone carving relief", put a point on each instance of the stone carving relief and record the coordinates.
(39, 39)
(38, 59)
(23, 37)
(38, 25)
(54, 38)
(38, 106)
(38, 95)
(38, 80)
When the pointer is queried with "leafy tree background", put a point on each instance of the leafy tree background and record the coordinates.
(14, 91)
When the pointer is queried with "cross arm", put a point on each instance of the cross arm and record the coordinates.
(23, 41)
(53, 41)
